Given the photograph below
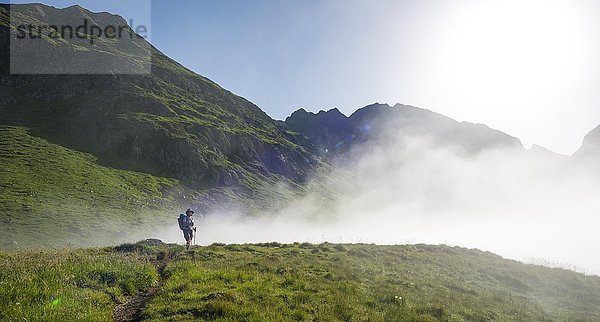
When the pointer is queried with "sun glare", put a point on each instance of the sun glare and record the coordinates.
(502, 59)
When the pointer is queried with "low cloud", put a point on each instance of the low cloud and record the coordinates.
(520, 204)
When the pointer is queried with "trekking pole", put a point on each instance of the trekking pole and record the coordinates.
(194, 236)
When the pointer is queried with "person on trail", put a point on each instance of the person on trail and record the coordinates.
(186, 224)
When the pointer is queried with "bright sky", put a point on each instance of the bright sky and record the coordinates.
(527, 67)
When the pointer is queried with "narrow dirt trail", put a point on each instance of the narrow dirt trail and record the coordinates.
(132, 309)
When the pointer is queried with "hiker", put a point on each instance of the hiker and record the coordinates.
(186, 224)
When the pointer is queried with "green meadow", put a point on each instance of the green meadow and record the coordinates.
(54, 196)
(287, 282)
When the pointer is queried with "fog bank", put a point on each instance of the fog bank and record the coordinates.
(516, 203)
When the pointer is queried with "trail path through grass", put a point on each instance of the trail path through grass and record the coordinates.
(133, 308)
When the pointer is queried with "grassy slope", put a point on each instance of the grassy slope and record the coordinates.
(295, 282)
(69, 285)
(50, 195)
(223, 129)
(73, 199)
(54, 196)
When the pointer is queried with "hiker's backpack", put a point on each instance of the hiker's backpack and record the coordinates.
(180, 221)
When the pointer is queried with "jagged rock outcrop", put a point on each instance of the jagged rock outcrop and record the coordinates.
(334, 133)
(324, 129)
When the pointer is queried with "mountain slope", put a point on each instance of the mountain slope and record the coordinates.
(53, 196)
(333, 132)
(280, 282)
(146, 144)
(173, 121)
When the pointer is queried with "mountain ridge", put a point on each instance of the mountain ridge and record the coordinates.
(333, 131)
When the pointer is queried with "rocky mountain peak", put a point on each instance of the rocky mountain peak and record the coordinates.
(332, 131)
